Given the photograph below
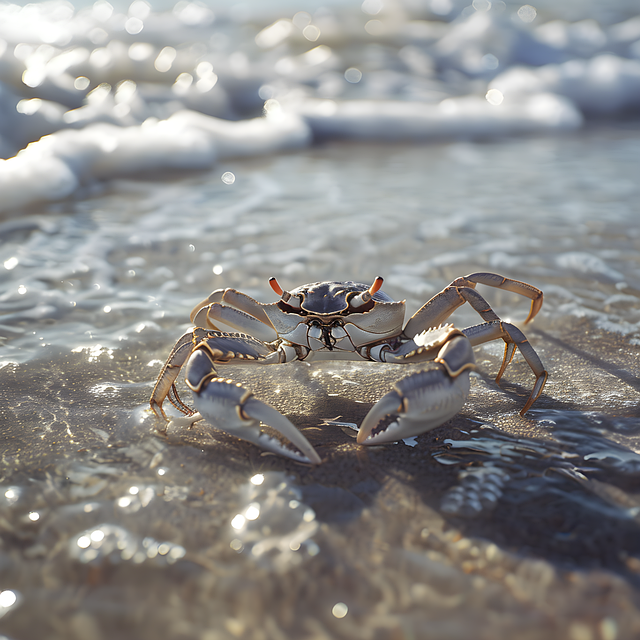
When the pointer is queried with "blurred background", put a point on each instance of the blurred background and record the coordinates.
(154, 152)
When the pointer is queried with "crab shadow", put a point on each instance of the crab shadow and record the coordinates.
(570, 480)
(569, 490)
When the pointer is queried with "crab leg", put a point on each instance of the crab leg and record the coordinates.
(207, 316)
(165, 384)
(425, 400)
(223, 347)
(513, 337)
(462, 290)
(236, 299)
(233, 409)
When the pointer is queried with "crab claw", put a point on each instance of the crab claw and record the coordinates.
(422, 401)
(234, 410)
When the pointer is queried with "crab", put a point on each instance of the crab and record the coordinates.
(340, 321)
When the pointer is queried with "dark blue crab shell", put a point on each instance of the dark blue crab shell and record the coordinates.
(331, 297)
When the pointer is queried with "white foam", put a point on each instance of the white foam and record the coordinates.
(605, 84)
(471, 116)
(173, 89)
(56, 165)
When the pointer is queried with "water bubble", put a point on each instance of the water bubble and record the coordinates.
(133, 26)
(494, 97)
(217, 270)
(353, 75)
(266, 91)
(372, 7)
(81, 83)
(139, 51)
(29, 106)
(182, 83)
(340, 610)
(490, 62)
(274, 526)
(252, 512)
(374, 27)
(527, 13)
(165, 59)
(102, 10)
(311, 32)
(84, 542)
(228, 177)
(274, 34)
(7, 598)
(481, 5)
(176, 552)
(301, 19)
(97, 535)
(116, 543)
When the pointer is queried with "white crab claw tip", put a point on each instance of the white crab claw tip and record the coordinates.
(275, 446)
(263, 412)
(389, 404)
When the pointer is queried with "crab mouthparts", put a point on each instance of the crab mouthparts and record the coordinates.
(327, 338)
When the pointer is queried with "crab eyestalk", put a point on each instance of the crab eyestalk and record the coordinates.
(364, 297)
(285, 296)
(278, 290)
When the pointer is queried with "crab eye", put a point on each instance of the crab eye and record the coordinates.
(362, 298)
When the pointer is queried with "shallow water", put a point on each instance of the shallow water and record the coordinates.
(493, 521)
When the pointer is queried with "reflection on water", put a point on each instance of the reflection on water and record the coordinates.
(273, 526)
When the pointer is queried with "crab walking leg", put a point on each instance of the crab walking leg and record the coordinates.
(513, 337)
(165, 384)
(223, 348)
(233, 409)
(425, 400)
(208, 315)
(462, 290)
(515, 286)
